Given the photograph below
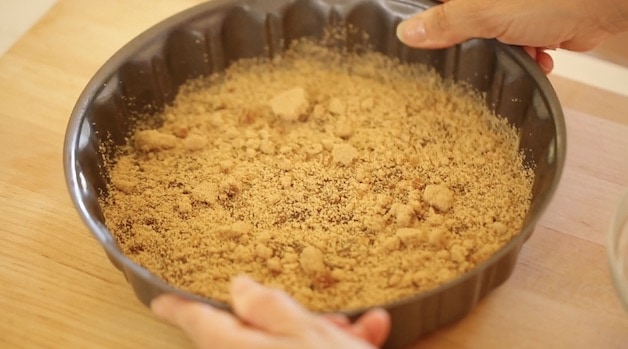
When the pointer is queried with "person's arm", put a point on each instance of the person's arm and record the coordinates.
(577, 25)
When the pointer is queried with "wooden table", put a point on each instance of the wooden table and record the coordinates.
(58, 290)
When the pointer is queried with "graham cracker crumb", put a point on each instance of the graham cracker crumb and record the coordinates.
(349, 184)
(344, 154)
(153, 140)
(311, 261)
(438, 196)
(290, 104)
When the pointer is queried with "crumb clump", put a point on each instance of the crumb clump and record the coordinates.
(347, 180)
(289, 105)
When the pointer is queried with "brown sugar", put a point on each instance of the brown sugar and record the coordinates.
(347, 180)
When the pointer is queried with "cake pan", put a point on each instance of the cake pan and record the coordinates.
(144, 75)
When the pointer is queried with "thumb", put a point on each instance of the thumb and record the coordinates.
(373, 326)
(271, 310)
(448, 24)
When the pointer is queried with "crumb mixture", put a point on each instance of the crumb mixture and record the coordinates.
(347, 180)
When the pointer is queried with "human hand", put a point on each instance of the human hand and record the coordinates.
(269, 318)
(576, 25)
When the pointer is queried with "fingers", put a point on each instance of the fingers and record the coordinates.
(448, 24)
(274, 311)
(339, 320)
(373, 327)
(530, 51)
(268, 309)
(270, 319)
(544, 61)
(206, 325)
(542, 58)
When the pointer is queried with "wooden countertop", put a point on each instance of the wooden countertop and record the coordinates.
(58, 290)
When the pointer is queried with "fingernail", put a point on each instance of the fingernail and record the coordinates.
(411, 31)
(546, 67)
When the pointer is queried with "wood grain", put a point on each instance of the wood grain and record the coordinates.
(58, 290)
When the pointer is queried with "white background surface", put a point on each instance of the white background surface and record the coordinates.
(17, 16)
